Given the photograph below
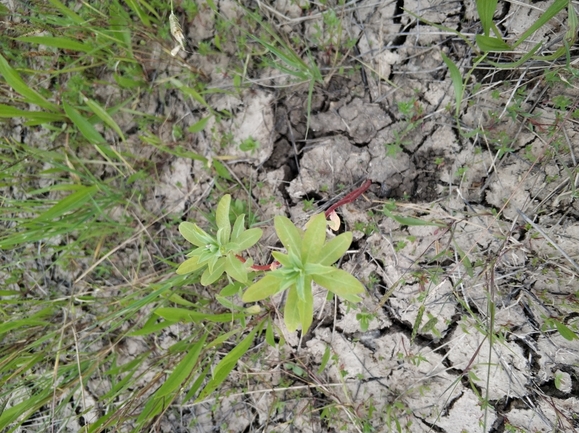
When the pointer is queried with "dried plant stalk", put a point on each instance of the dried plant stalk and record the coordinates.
(177, 33)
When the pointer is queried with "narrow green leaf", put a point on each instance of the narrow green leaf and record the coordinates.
(232, 289)
(14, 80)
(314, 238)
(457, 83)
(318, 269)
(291, 313)
(127, 82)
(189, 265)
(210, 276)
(227, 364)
(57, 42)
(199, 126)
(221, 170)
(267, 286)
(151, 328)
(269, 337)
(410, 221)
(182, 370)
(512, 65)
(491, 44)
(486, 10)
(197, 384)
(68, 204)
(18, 324)
(190, 92)
(38, 116)
(235, 269)
(300, 285)
(335, 248)
(84, 126)
(417, 322)
(284, 259)
(551, 11)
(238, 227)
(289, 235)
(306, 307)
(325, 360)
(104, 116)
(248, 238)
(430, 326)
(23, 409)
(565, 332)
(66, 11)
(194, 234)
(175, 314)
(222, 217)
(136, 7)
(341, 283)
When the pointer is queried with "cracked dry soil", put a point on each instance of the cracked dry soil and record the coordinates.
(387, 119)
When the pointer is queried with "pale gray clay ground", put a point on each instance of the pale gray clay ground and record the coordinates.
(481, 246)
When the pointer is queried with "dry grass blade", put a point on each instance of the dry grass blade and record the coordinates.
(177, 33)
(542, 232)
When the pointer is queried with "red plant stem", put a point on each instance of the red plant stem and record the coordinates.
(259, 267)
(349, 198)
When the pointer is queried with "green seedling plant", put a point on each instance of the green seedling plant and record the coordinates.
(309, 259)
(219, 254)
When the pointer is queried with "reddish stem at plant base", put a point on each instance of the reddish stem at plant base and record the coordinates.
(269, 267)
(348, 198)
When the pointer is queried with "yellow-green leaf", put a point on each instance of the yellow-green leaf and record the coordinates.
(289, 235)
(267, 286)
(314, 238)
(190, 265)
(334, 249)
(341, 283)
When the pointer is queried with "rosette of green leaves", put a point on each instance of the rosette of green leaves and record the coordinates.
(309, 258)
(219, 253)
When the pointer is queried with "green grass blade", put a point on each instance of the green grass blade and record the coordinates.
(225, 366)
(17, 83)
(8, 111)
(410, 221)
(84, 126)
(183, 315)
(136, 8)
(57, 42)
(23, 409)
(68, 204)
(173, 383)
(457, 83)
(182, 370)
(104, 116)
(490, 44)
(66, 11)
(486, 11)
(200, 125)
(553, 10)
(512, 65)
